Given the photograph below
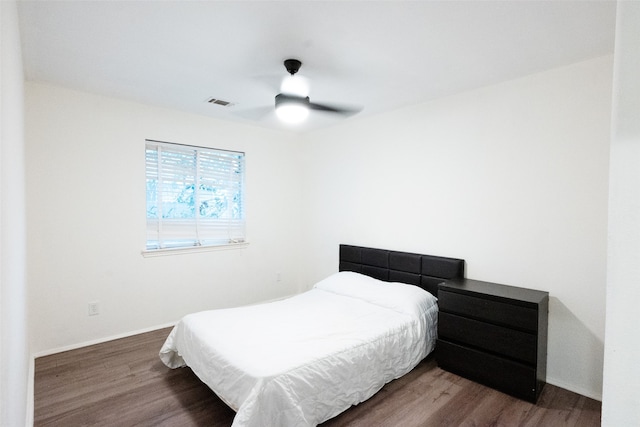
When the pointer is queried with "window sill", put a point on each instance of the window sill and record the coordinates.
(192, 249)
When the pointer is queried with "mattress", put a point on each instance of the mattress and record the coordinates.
(305, 359)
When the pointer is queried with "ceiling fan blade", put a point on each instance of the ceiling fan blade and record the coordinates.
(344, 110)
(287, 99)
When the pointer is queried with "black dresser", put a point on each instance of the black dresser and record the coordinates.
(495, 335)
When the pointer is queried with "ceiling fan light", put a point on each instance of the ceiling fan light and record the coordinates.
(292, 113)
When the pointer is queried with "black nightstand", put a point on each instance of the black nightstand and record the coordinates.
(495, 335)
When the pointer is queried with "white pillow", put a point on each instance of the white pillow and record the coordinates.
(401, 297)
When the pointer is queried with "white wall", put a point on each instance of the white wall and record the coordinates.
(622, 345)
(512, 178)
(14, 349)
(86, 215)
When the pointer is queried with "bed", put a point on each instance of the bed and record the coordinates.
(305, 359)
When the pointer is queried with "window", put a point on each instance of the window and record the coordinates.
(195, 196)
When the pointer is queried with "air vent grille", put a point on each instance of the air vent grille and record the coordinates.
(220, 102)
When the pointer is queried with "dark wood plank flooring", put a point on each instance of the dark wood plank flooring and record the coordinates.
(124, 383)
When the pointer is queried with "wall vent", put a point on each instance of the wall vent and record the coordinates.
(219, 102)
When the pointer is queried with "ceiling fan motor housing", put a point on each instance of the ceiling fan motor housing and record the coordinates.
(282, 98)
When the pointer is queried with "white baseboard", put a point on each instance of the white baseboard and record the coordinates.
(124, 335)
(584, 392)
(30, 390)
(100, 340)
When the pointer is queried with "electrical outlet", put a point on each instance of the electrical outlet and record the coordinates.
(278, 277)
(94, 309)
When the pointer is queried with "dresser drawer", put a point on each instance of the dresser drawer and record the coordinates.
(487, 310)
(511, 377)
(510, 343)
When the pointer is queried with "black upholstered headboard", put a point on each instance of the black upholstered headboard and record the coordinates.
(426, 271)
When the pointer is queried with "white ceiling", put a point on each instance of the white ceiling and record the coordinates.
(378, 55)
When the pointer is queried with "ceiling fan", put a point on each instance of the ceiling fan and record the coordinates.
(293, 104)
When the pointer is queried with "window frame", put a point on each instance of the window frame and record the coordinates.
(197, 169)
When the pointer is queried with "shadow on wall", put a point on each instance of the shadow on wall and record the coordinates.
(568, 335)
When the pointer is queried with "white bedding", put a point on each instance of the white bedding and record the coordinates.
(305, 359)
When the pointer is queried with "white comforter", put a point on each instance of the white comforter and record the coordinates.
(303, 360)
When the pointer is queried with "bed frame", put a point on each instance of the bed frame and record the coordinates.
(425, 271)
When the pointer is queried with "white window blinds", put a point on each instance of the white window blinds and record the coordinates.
(195, 196)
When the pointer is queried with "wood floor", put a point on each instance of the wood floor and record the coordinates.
(124, 383)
